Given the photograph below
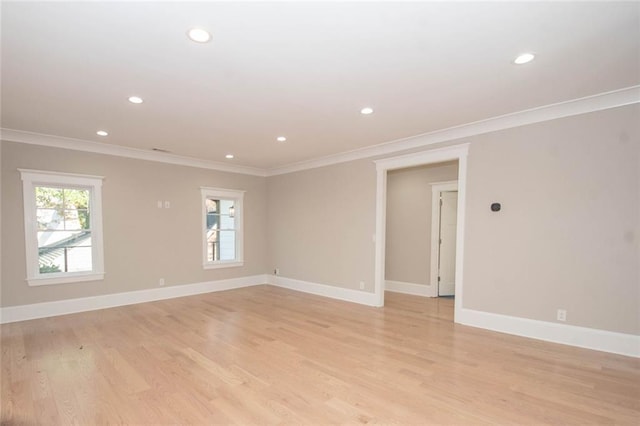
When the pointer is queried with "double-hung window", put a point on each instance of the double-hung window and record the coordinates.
(222, 228)
(63, 227)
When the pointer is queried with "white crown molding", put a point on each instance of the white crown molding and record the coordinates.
(11, 135)
(70, 306)
(598, 102)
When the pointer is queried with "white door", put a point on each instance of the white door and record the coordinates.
(447, 247)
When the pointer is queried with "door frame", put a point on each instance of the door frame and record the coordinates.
(441, 155)
(436, 189)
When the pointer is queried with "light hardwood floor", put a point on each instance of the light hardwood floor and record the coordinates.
(265, 355)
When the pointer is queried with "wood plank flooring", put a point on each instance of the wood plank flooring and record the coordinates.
(265, 355)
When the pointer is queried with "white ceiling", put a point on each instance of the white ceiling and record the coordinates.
(303, 70)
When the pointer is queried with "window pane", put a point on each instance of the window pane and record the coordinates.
(49, 266)
(76, 219)
(213, 221)
(223, 211)
(62, 251)
(76, 198)
(71, 221)
(220, 214)
(47, 197)
(227, 207)
(76, 204)
(212, 206)
(83, 218)
(50, 218)
(78, 259)
(48, 240)
(227, 222)
(221, 245)
(227, 242)
(213, 246)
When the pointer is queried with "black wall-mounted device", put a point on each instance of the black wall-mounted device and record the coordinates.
(495, 207)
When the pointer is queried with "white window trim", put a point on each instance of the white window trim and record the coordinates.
(33, 178)
(228, 194)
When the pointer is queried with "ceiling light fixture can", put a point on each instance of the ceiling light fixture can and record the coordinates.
(102, 133)
(228, 156)
(281, 139)
(366, 111)
(135, 99)
(199, 35)
(524, 58)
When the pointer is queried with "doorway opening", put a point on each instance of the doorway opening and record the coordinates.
(454, 153)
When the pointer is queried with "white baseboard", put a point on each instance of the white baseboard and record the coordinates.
(409, 288)
(590, 338)
(346, 294)
(601, 340)
(70, 306)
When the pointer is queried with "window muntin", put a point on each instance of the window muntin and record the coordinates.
(63, 227)
(222, 227)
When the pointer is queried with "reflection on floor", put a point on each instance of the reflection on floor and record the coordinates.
(431, 307)
(266, 355)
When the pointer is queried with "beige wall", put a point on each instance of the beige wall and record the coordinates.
(567, 235)
(1, 232)
(408, 238)
(321, 224)
(142, 243)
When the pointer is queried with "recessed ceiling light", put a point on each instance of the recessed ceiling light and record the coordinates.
(199, 35)
(281, 139)
(366, 111)
(228, 156)
(135, 99)
(524, 58)
(102, 133)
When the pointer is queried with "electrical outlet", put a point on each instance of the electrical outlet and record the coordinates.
(159, 204)
(167, 205)
(276, 271)
(562, 315)
(161, 282)
(361, 285)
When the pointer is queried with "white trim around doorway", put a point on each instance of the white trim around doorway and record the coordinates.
(452, 153)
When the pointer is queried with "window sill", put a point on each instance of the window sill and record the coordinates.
(218, 265)
(75, 278)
